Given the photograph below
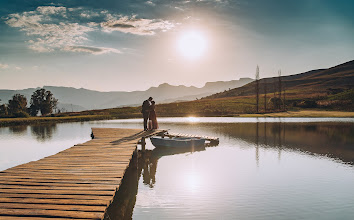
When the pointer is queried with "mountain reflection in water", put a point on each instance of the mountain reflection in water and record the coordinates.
(335, 140)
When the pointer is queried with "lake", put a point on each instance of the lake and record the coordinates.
(265, 168)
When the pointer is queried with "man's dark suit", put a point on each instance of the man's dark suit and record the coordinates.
(145, 110)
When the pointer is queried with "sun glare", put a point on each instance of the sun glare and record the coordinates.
(192, 119)
(192, 44)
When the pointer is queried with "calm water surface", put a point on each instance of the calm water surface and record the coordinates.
(262, 168)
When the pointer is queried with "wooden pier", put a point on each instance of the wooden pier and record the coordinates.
(77, 183)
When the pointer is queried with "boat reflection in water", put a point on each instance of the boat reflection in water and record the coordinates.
(144, 163)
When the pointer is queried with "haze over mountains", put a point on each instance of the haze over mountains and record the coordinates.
(72, 99)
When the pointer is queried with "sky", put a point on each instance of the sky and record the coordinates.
(116, 45)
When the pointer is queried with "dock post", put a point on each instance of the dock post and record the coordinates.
(143, 143)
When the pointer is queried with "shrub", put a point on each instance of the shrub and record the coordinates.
(21, 115)
(308, 104)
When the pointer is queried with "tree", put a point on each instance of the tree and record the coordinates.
(17, 104)
(284, 107)
(3, 110)
(257, 88)
(44, 101)
(276, 102)
(279, 83)
(265, 95)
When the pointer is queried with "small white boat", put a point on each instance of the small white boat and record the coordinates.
(177, 141)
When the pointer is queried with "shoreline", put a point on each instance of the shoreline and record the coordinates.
(288, 114)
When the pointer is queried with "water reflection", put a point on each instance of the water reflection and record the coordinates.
(143, 165)
(260, 170)
(43, 132)
(335, 140)
(151, 158)
(18, 130)
(149, 173)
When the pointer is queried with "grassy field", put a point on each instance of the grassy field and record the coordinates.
(305, 114)
(220, 108)
(240, 106)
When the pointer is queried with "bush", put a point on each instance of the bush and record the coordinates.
(21, 115)
(308, 104)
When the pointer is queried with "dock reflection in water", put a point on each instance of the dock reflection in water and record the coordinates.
(143, 165)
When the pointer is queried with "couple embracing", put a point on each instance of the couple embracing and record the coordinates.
(149, 114)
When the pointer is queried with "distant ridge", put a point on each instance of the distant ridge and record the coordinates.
(72, 99)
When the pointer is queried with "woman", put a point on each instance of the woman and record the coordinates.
(152, 117)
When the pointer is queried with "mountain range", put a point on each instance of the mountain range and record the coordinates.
(72, 99)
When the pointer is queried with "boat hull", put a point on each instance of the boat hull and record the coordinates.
(177, 142)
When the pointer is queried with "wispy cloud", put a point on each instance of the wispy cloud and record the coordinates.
(92, 50)
(134, 25)
(4, 66)
(53, 28)
(50, 28)
(151, 3)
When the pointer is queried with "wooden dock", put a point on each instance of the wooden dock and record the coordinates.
(77, 183)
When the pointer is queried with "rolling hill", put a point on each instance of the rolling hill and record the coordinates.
(312, 83)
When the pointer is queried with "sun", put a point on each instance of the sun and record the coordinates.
(192, 44)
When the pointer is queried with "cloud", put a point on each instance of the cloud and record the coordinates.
(51, 10)
(18, 68)
(4, 66)
(150, 3)
(50, 32)
(138, 26)
(92, 50)
(52, 28)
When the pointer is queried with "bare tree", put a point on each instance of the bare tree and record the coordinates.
(265, 95)
(257, 88)
(279, 83)
(284, 108)
(274, 90)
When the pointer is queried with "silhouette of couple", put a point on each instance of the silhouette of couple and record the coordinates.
(149, 115)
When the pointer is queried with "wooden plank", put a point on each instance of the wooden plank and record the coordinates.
(66, 172)
(63, 181)
(102, 201)
(59, 192)
(50, 213)
(61, 187)
(62, 176)
(39, 218)
(84, 208)
(56, 196)
(61, 184)
(73, 166)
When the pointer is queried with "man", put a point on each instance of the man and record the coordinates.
(146, 110)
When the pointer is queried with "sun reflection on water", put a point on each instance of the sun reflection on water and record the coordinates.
(193, 119)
